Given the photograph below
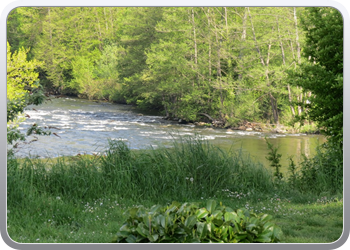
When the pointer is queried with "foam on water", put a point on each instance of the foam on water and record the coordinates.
(86, 127)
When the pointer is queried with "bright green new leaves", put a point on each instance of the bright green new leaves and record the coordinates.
(21, 75)
(22, 89)
(188, 223)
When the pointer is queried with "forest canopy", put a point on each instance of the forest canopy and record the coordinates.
(230, 64)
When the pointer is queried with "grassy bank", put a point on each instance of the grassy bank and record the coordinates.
(82, 199)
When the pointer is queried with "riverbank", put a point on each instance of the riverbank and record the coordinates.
(257, 127)
(307, 128)
(84, 126)
(83, 199)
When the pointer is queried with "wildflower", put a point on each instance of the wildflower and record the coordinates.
(37, 239)
(191, 179)
(58, 198)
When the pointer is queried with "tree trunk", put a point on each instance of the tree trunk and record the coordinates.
(99, 30)
(273, 101)
(299, 97)
(284, 63)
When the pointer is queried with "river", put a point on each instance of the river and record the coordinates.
(84, 126)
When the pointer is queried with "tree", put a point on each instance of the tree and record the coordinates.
(23, 89)
(321, 72)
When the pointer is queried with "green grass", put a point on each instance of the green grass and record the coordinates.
(82, 199)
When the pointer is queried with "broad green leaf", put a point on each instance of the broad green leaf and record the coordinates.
(218, 222)
(251, 226)
(217, 214)
(211, 204)
(155, 208)
(167, 238)
(132, 212)
(125, 228)
(182, 208)
(211, 227)
(153, 237)
(238, 227)
(263, 239)
(123, 234)
(276, 232)
(190, 221)
(265, 217)
(201, 230)
(180, 230)
(228, 209)
(142, 230)
(201, 213)
(161, 219)
(267, 225)
(131, 239)
(240, 237)
(147, 220)
(230, 216)
(171, 208)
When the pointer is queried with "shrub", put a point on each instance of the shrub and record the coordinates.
(189, 223)
(324, 171)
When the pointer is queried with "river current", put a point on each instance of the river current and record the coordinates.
(83, 126)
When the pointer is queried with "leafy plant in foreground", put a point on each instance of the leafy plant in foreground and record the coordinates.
(190, 223)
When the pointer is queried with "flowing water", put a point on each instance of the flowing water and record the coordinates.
(84, 126)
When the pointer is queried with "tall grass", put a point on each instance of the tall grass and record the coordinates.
(323, 173)
(73, 199)
(191, 169)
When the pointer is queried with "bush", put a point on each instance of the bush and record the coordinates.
(323, 172)
(189, 223)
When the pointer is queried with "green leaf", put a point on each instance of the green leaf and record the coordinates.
(180, 230)
(202, 230)
(240, 237)
(211, 205)
(161, 219)
(263, 239)
(153, 237)
(265, 217)
(122, 234)
(217, 214)
(155, 208)
(190, 221)
(218, 222)
(142, 230)
(201, 213)
(251, 226)
(131, 239)
(230, 216)
(132, 212)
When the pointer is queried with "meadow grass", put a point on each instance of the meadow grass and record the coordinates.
(82, 199)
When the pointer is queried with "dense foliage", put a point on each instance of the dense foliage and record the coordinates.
(226, 62)
(321, 73)
(189, 223)
(23, 89)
